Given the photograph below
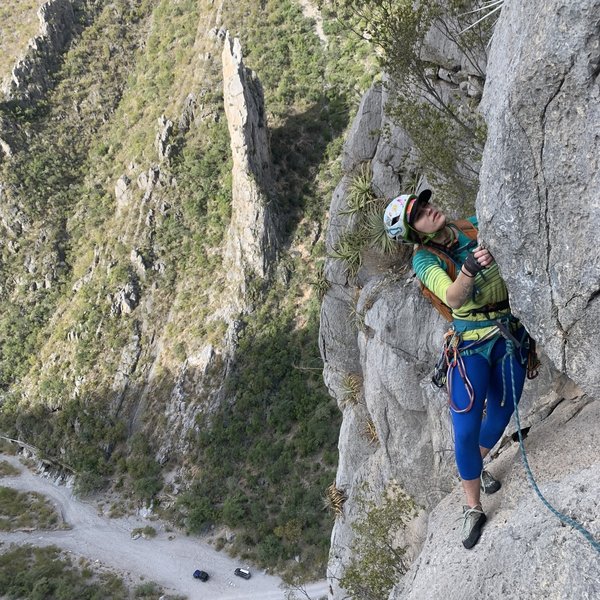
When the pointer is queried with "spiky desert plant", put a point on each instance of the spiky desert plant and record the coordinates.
(357, 317)
(349, 249)
(360, 193)
(352, 385)
(378, 552)
(321, 284)
(374, 230)
(334, 500)
(370, 432)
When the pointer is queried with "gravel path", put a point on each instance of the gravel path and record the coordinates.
(169, 563)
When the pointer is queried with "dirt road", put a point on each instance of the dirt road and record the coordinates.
(169, 563)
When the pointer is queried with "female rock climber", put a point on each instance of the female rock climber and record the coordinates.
(486, 348)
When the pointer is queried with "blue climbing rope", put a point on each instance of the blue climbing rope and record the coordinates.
(564, 518)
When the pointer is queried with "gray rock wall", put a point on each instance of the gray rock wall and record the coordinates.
(391, 349)
(524, 551)
(251, 236)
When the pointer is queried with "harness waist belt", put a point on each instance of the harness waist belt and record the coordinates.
(462, 325)
(491, 308)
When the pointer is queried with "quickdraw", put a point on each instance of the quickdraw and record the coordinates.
(450, 358)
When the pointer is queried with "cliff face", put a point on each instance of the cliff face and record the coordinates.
(538, 212)
(251, 238)
(31, 77)
(388, 353)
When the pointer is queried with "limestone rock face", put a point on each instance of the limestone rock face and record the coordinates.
(391, 350)
(31, 76)
(539, 202)
(198, 384)
(162, 142)
(251, 236)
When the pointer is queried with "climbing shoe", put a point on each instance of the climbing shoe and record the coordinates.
(489, 484)
(473, 521)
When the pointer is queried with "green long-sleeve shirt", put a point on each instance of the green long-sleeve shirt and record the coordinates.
(489, 287)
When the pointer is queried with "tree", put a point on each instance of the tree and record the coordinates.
(378, 551)
(444, 127)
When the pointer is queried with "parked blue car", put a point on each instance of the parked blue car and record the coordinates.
(201, 575)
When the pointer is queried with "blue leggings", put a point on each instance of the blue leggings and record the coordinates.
(490, 378)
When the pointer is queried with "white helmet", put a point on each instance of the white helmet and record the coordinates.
(397, 216)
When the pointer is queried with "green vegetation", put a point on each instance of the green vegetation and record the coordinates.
(352, 387)
(320, 283)
(143, 469)
(147, 532)
(49, 177)
(446, 131)
(378, 556)
(368, 230)
(334, 500)
(265, 459)
(147, 590)
(349, 249)
(28, 573)
(18, 23)
(84, 433)
(8, 470)
(26, 510)
(7, 447)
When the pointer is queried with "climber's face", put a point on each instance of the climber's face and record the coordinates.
(428, 219)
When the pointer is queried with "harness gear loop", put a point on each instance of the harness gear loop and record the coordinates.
(451, 355)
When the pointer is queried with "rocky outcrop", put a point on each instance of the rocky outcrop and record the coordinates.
(251, 240)
(192, 384)
(31, 76)
(7, 134)
(163, 142)
(539, 215)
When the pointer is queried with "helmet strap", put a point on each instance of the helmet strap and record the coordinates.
(422, 237)
(426, 238)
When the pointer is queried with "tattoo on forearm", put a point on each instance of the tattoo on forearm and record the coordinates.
(465, 288)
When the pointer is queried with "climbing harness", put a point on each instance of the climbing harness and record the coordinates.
(453, 350)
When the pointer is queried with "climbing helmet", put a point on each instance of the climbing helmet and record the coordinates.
(399, 216)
